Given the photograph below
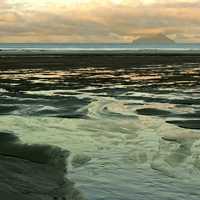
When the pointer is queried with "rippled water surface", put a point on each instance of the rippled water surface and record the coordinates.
(133, 133)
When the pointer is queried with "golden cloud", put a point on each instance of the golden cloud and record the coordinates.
(99, 21)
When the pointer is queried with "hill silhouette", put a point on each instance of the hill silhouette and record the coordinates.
(154, 39)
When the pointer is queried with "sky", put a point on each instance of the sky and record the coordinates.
(98, 20)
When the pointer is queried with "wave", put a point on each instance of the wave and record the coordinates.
(30, 172)
(3, 90)
(109, 109)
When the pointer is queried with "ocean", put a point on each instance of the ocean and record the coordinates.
(84, 47)
(132, 133)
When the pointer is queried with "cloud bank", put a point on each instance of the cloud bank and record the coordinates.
(97, 21)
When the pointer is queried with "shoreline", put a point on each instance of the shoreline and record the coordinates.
(116, 60)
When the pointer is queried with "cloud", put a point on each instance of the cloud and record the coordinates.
(98, 21)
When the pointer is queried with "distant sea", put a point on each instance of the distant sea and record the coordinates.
(92, 47)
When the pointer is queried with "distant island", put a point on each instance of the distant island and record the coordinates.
(154, 39)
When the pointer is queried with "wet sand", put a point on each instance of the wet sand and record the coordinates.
(61, 60)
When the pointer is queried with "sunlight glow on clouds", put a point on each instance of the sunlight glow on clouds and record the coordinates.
(97, 21)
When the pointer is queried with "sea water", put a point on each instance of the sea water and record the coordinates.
(95, 47)
(133, 133)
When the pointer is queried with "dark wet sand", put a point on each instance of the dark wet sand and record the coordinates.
(60, 60)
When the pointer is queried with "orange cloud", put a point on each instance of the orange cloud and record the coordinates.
(100, 21)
